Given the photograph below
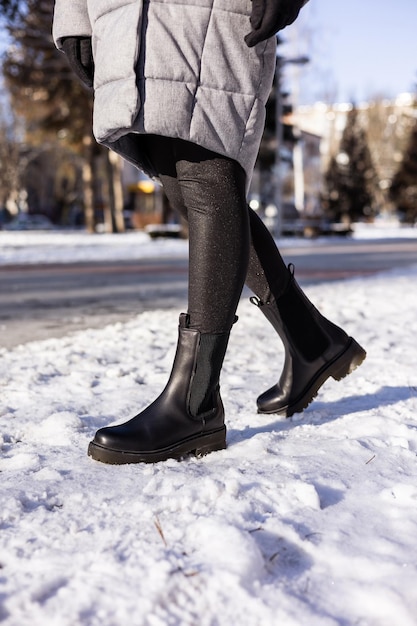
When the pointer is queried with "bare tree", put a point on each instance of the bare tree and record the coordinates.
(9, 158)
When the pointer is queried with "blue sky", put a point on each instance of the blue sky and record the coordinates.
(358, 48)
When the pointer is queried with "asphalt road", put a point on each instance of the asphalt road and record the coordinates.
(43, 301)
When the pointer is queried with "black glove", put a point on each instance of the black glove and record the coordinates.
(270, 16)
(79, 54)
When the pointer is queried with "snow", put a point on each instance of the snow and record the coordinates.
(303, 521)
(76, 247)
(30, 247)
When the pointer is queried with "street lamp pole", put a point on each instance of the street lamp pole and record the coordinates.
(279, 133)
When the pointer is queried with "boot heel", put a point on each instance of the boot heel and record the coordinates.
(349, 361)
(211, 443)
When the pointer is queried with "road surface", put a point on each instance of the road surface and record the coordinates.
(43, 301)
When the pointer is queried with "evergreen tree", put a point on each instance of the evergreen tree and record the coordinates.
(56, 107)
(41, 84)
(10, 8)
(403, 191)
(350, 181)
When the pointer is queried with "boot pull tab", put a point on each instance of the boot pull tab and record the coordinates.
(184, 320)
(291, 269)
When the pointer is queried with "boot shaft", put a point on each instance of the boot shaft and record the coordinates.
(301, 327)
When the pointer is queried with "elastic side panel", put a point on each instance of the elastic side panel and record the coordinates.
(206, 378)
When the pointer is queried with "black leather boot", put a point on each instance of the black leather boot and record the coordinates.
(315, 349)
(188, 416)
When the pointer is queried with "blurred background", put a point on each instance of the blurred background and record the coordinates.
(339, 147)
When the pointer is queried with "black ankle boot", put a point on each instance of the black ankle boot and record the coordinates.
(187, 417)
(315, 349)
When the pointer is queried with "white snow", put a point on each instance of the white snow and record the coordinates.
(310, 521)
(20, 247)
(76, 247)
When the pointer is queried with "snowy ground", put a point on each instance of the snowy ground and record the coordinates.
(304, 522)
(77, 246)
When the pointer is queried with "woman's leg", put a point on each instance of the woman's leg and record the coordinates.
(213, 189)
(267, 274)
(188, 416)
(315, 348)
(209, 192)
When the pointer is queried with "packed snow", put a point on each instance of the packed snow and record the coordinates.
(17, 248)
(309, 521)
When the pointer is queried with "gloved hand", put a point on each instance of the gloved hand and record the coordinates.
(270, 16)
(79, 54)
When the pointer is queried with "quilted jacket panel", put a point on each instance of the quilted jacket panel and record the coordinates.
(178, 68)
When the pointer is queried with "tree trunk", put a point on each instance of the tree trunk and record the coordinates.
(88, 184)
(114, 219)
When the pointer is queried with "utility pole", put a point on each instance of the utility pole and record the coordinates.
(279, 133)
(281, 62)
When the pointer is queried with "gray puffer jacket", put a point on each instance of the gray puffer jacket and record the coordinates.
(178, 68)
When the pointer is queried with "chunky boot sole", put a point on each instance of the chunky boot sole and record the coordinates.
(199, 446)
(342, 365)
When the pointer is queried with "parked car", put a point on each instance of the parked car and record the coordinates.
(26, 221)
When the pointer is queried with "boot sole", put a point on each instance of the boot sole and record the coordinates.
(199, 446)
(341, 366)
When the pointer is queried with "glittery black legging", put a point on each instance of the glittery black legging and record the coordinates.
(228, 243)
